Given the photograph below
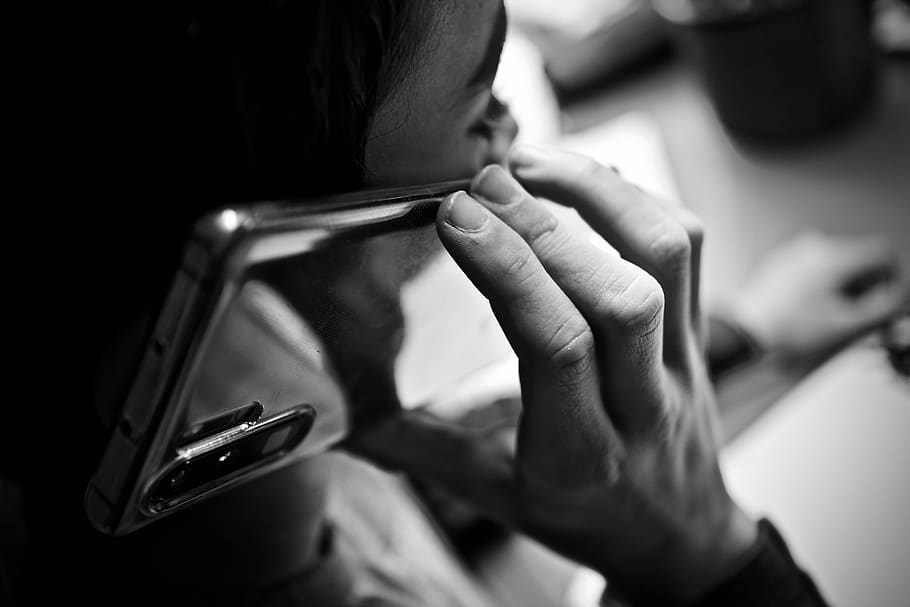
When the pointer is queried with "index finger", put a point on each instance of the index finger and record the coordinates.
(622, 304)
(555, 346)
(639, 227)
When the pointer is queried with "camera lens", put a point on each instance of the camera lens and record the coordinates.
(174, 483)
(176, 478)
(205, 471)
(276, 440)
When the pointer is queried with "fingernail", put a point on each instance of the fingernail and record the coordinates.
(495, 185)
(526, 155)
(465, 214)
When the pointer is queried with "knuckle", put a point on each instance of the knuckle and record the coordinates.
(588, 167)
(571, 352)
(662, 422)
(543, 229)
(672, 250)
(519, 269)
(639, 306)
(593, 174)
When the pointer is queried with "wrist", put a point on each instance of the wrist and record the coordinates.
(688, 567)
(767, 575)
(728, 547)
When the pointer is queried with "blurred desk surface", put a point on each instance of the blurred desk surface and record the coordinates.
(830, 463)
(854, 180)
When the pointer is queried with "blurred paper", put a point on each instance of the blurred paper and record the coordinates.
(830, 466)
(450, 320)
(633, 144)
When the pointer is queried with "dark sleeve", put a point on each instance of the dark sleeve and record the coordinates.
(729, 345)
(769, 576)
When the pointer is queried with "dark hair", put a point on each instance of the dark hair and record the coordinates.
(241, 100)
(152, 112)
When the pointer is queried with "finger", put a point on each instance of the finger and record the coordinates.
(467, 463)
(642, 231)
(695, 230)
(622, 304)
(865, 263)
(879, 305)
(553, 342)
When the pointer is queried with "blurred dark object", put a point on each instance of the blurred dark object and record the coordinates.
(777, 69)
(585, 43)
(897, 344)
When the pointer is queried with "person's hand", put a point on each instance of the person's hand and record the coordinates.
(615, 463)
(816, 293)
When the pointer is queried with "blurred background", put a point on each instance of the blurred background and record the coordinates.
(768, 118)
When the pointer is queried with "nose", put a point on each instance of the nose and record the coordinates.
(506, 132)
(511, 127)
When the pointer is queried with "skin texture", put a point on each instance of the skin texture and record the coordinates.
(436, 125)
(616, 457)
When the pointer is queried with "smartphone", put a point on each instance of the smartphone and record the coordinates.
(286, 325)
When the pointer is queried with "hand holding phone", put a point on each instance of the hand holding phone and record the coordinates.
(615, 462)
(284, 328)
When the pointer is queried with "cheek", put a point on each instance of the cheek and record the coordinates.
(455, 159)
(398, 159)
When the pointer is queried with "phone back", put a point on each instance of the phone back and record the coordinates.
(287, 325)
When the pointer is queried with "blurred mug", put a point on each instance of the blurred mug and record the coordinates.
(777, 68)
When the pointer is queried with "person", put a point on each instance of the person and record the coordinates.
(172, 110)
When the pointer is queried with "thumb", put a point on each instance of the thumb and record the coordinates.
(474, 466)
(882, 303)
